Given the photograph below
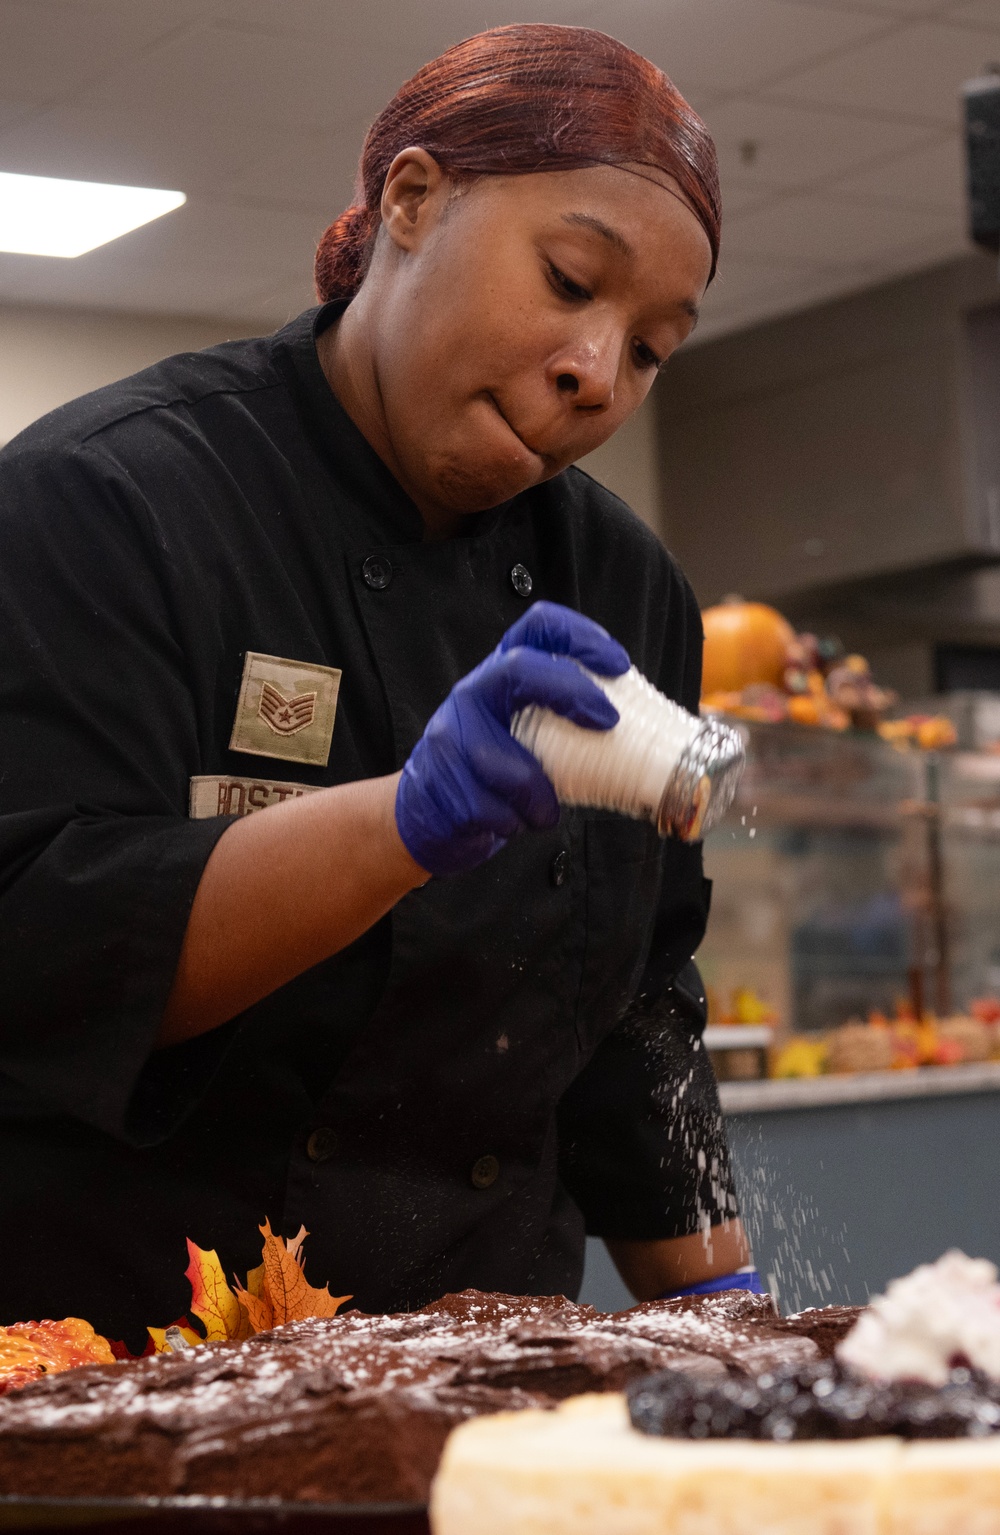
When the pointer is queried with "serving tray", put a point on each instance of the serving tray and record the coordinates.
(211, 1516)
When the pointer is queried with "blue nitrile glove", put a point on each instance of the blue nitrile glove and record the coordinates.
(468, 785)
(743, 1279)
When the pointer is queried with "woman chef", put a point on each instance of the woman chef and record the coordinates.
(412, 1007)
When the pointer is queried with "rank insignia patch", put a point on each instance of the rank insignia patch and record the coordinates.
(286, 716)
(286, 709)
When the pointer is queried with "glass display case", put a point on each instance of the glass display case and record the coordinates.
(967, 791)
(824, 904)
(849, 876)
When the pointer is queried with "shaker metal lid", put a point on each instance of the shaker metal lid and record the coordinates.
(703, 784)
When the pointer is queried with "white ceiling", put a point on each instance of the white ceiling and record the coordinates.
(257, 108)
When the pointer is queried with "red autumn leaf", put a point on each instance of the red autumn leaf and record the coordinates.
(121, 1350)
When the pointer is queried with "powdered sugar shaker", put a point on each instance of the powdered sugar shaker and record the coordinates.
(659, 763)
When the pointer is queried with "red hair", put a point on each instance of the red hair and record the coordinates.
(520, 99)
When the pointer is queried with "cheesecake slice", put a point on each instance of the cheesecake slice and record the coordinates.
(583, 1470)
(947, 1487)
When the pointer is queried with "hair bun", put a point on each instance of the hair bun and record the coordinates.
(342, 254)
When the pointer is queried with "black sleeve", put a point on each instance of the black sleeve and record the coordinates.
(642, 1143)
(98, 861)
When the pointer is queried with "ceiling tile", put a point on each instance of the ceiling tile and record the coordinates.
(901, 9)
(835, 232)
(737, 197)
(426, 30)
(254, 78)
(795, 146)
(732, 45)
(740, 282)
(204, 258)
(316, 169)
(13, 111)
(260, 242)
(744, 289)
(809, 287)
(932, 177)
(977, 13)
(916, 73)
(800, 291)
(52, 47)
(160, 149)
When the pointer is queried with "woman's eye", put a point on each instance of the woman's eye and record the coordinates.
(566, 285)
(645, 357)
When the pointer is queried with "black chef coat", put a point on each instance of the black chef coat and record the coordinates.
(505, 1059)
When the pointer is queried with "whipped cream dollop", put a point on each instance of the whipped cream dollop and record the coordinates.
(943, 1315)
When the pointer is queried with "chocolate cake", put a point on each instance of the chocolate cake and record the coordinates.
(825, 1325)
(357, 1408)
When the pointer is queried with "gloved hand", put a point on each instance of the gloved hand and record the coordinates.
(740, 1279)
(468, 786)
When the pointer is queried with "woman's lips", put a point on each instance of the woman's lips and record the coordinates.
(526, 445)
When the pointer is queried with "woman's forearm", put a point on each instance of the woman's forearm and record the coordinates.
(283, 890)
(650, 1268)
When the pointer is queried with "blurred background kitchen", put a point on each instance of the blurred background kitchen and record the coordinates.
(823, 458)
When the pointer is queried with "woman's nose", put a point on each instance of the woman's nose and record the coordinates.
(585, 375)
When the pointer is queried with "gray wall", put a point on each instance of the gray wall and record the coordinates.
(841, 1200)
(837, 443)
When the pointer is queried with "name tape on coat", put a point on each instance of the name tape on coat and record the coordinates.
(212, 794)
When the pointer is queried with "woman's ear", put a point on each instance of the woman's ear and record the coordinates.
(414, 196)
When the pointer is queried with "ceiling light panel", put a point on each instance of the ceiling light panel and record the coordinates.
(46, 216)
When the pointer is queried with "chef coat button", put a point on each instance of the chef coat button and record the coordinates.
(559, 868)
(485, 1172)
(377, 572)
(520, 580)
(322, 1144)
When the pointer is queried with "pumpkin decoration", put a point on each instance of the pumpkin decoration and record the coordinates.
(745, 643)
(757, 668)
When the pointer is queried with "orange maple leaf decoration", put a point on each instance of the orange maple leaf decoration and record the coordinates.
(278, 1292)
(275, 1292)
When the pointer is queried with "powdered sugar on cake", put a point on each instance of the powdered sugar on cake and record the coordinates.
(943, 1315)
